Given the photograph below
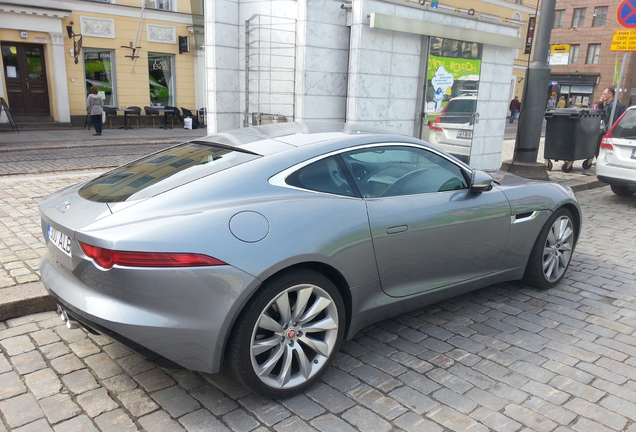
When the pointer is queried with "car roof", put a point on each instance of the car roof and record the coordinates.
(274, 138)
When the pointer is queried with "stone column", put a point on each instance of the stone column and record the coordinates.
(60, 78)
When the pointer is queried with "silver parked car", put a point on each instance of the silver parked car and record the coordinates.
(266, 247)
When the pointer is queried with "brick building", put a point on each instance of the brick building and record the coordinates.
(582, 74)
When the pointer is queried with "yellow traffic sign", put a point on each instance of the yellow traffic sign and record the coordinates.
(623, 40)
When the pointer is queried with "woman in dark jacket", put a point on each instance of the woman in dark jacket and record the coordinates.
(95, 107)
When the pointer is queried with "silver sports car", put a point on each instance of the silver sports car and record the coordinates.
(265, 247)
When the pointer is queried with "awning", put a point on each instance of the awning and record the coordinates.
(407, 25)
(580, 79)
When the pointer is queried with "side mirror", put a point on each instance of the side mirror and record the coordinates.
(480, 181)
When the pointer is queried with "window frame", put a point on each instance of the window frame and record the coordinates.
(575, 51)
(171, 85)
(167, 5)
(559, 18)
(600, 16)
(113, 75)
(578, 17)
(593, 54)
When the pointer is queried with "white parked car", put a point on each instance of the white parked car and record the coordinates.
(452, 131)
(616, 162)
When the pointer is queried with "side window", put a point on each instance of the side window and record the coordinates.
(400, 170)
(325, 175)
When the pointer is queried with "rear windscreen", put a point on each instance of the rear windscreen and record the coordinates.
(162, 171)
(626, 127)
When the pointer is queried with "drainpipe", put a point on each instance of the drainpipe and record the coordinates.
(524, 162)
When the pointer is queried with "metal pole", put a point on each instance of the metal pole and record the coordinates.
(531, 121)
(618, 86)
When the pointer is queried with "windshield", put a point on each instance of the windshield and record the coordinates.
(163, 171)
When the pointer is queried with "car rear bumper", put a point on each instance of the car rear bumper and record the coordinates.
(158, 312)
(631, 184)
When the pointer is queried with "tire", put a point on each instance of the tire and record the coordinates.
(549, 164)
(567, 167)
(621, 190)
(279, 355)
(552, 251)
(587, 163)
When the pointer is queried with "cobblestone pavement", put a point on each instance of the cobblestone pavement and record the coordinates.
(55, 160)
(505, 358)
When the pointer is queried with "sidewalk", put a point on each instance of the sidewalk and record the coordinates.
(79, 137)
(577, 179)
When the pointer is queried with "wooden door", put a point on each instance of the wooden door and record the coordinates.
(25, 77)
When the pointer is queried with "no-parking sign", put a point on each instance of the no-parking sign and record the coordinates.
(626, 14)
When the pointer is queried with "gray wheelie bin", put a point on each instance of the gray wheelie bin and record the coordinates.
(571, 134)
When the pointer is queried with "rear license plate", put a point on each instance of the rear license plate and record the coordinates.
(465, 134)
(60, 240)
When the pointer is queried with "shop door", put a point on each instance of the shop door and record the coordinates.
(25, 78)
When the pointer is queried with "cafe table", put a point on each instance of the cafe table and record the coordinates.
(165, 117)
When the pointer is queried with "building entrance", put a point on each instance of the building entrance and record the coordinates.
(25, 79)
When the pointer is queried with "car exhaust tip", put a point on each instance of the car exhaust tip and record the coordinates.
(69, 321)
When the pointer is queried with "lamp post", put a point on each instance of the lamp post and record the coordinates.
(524, 160)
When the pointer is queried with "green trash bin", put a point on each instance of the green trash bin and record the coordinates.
(571, 134)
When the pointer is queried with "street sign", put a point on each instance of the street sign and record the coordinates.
(623, 40)
(626, 14)
(559, 55)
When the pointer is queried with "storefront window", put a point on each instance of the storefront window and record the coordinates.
(450, 95)
(160, 71)
(98, 72)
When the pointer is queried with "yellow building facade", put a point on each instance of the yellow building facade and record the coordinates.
(136, 54)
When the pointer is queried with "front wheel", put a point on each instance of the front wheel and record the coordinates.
(552, 251)
(287, 335)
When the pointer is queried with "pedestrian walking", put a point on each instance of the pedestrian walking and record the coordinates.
(561, 103)
(552, 102)
(515, 106)
(95, 107)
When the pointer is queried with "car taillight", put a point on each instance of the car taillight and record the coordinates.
(606, 143)
(107, 258)
(435, 125)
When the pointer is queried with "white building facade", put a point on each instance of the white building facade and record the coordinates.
(391, 64)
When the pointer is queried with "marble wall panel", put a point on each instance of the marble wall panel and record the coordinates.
(402, 109)
(323, 107)
(226, 35)
(372, 62)
(226, 11)
(404, 43)
(403, 87)
(376, 39)
(374, 86)
(225, 58)
(371, 109)
(326, 60)
(405, 65)
(327, 36)
(325, 83)
(326, 11)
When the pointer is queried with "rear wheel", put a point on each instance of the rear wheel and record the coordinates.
(587, 163)
(567, 166)
(621, 190)
(287, 335)
(552, 251)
